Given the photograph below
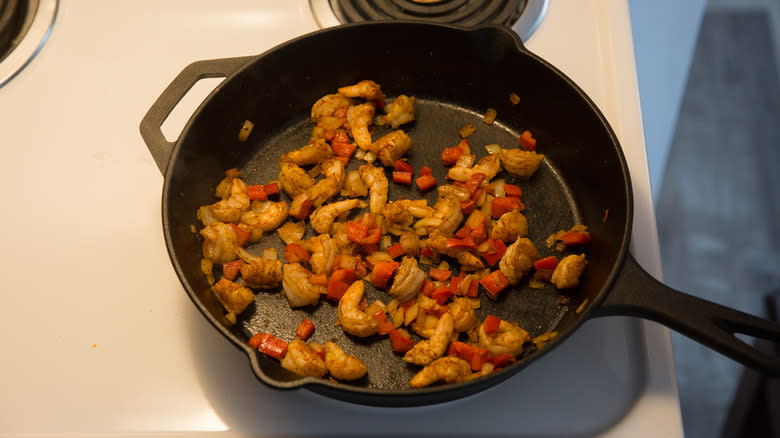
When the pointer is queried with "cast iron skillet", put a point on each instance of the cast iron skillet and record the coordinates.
(455, 74)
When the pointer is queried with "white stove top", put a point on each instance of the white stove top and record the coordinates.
(100, 338)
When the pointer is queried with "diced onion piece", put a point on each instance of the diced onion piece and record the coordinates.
(246, 129)
(498, 187)
(379, 256)
(315, 171)
(467, 130)
(490, 116)
(360, 153)
(270, 254)
(514, 98)
(291, 231)
(493, 149)
(369, 157)
(385, 242)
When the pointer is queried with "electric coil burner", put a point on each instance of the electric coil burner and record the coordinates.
(522, 15)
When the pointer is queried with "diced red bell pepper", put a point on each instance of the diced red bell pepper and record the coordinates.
(491, 324)
(575, 238)
(295, 253)
(404, 178)
(473, 184)
(256, 192)
(269, 344)
(468, 207)
(463, 232)
(336, 289)
(450, 155)
(439, 274)
(271, 189)
(502, 360)
(427, 288)
(548, 263)
(383, 324)
(425, 182)
(473, 291)
(230, 270)
(400, 343)
(403, 166)
(304, 329)
(455, 283)
(504, 204)
(396, 250)
(368, 221)
(342, 149)
(527, 141)
(382, 272)
(305, 210)
(356, 232)
(319, 279)
(466, 243)
(426, 252)
(441, 294)
(426, 171)
(242, 235)
(494, 283)
(479, 234)
(473, 355)
(513, 191)
(495, 250)
(348, 276)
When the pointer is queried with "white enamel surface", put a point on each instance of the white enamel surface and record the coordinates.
(98, 336)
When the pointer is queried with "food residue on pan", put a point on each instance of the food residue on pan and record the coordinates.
(434, 262)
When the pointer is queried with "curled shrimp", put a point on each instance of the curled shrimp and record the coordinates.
(446, 218)
(297, 288)
(366, 89)
(518, 260)
(323, 216)
(219, 245)
(294, 180)
(263, 216)
(259, 272)
(508, 339)
(399, 215)
(328, 105)
(449, 369)
(391, 147)
(301, 359)
(489, 166)
(323, 253)
(227, 210)
(468, 261)
(463, 314)
(234, 297)
(425, 352)
(341, 365)
(360, 118)
(353, 320)
(310, 154)
(510, 226)
(377, 183)
(409, 279)
(334, 173)
(519, 162)
(567, 273)
(400, 111)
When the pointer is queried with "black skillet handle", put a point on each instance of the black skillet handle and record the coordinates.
(150, 125)
(637, 293)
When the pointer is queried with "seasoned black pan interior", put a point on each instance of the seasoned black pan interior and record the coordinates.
(455, 75)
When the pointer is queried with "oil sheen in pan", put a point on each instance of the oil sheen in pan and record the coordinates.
(549, 207)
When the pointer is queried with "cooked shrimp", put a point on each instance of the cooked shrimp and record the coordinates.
(510, 226)
(328, 104)
(488, 166)
(354, 185)
(367, 89)
(294, 180)
(227, 210)
(375, 179)
(508, 339)
(323, 216)
(326, 188)
(454, 192)
(446, 219)
(263, 216)
(297, 288)
(354, 321)
(468, 261)
(323, 253)
(341, 365)
(425, 352)
(463, 314)
(425, 324)
(391, 147)
(234, 297)
(310, 154)
(259, 272)
(219, 245)
(519, 162)
(567, 273)
(400, 111)
(400, 214)
(449, 369)
(409, 279)
(360, 118)
(301, 359)
(518, 260)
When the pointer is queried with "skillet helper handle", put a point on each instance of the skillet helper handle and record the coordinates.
(158, 145)
(637, 293)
